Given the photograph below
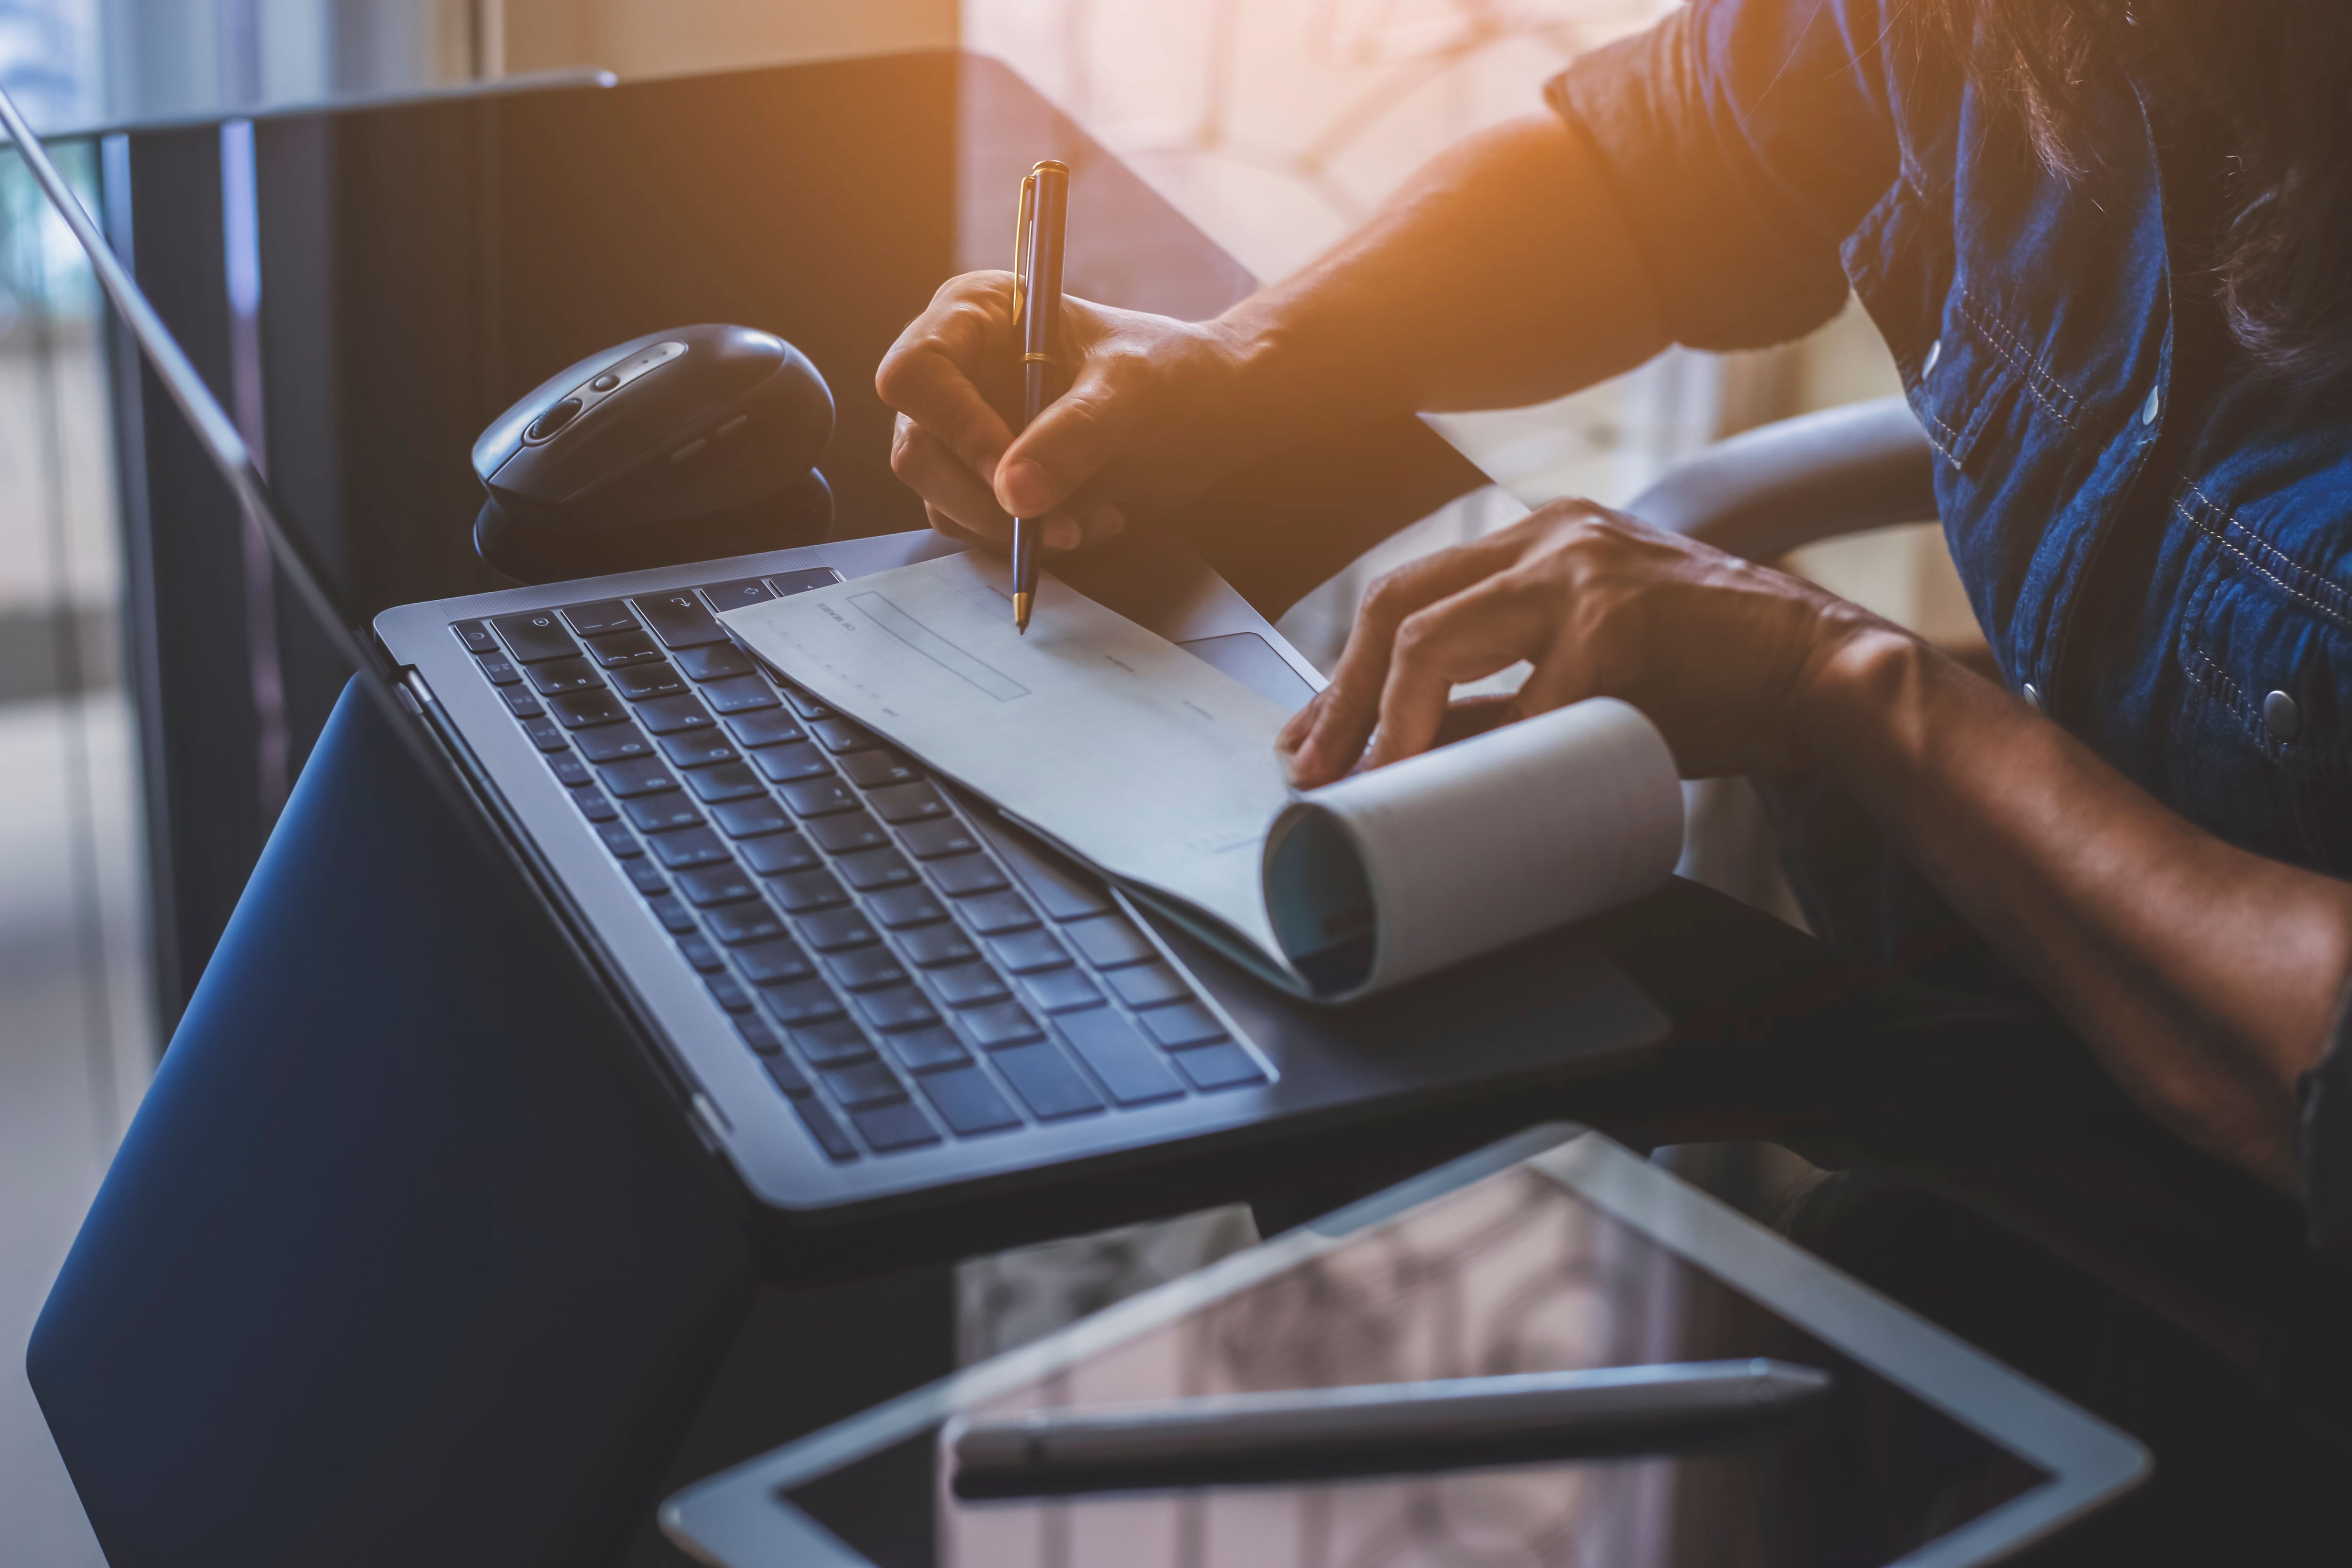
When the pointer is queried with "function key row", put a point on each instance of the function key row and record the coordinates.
(681, 618)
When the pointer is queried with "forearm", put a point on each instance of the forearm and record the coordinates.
(1501, 274)
(2205, 977)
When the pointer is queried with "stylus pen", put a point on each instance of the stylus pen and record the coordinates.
(1036, 313)
(1383, 1428)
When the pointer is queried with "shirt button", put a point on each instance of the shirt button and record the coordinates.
(2032, 695)
(2147, 410)
(1935, 353)
(2280, 717)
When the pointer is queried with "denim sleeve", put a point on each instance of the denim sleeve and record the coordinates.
(1744, 139)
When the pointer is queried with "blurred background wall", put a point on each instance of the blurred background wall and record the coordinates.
(1274, 124)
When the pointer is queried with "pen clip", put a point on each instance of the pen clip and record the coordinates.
(1022, 221)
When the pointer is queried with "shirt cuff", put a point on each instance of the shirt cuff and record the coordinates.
(1727, 275)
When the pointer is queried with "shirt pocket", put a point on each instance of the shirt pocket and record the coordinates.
(2263, 751)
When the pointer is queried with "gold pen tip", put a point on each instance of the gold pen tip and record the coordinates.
(1021, 603)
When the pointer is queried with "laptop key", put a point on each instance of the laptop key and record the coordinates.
(728, 992)
(636, 775)
(475, 635)
(1128, 1067)
(833, 1044)
(751, 921)
(791, 762)
(838, 734)
(661, 814)
(900, 1007)
(937, 838)
(801, 1002)
(739, 592)
(761, 1038)
(533, 635)
(593, 805)
(764, 727)
(498, 671)
(865, 969)
(695, 748)
(522, 704)
(891, 1128)
(968, 984)
(750, 819)
(618, 840)
(964, 875)
(818, 797)
(805, 705)
(931, 946)
(726, 883)
(903, 907)
(579, 709)
(706, 959)
(1179, 1026)
(570, 770)
(599, 617)
(873, 871)
(764, 961)
(623, 649)
(1061, 990)
(1028, 953)
(1044, 1078)
(545, 733)
(908, 803)
(671, 910)
(968, 1102)
(638, 681)
(727, 781)
(785, 1072)
(831, 931)
(645, 876)
(739, 694)
(1148, 986)
(679, 619)
(802, 892)
(1063, 894)
(550, 677)
(927, 1050)
(778, 854)
(994, 914)
(789, 582)
(869, 1082)
(1109, 941)
(1223, 1066)
(880, 768)
(848, 833)
(668, 715)
(824, 1129)
(615, 742)
(998, 1026)
(714, 661)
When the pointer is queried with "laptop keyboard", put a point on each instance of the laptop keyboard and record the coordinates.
(903, 980)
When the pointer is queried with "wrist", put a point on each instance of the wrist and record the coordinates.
(1860, 682)
(1298, 373)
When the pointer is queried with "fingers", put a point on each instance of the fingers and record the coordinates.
(1066, 444)
(1322, 742)
(947, 484)
(1467, 637)
(932, 373)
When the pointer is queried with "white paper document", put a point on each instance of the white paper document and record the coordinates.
(1158, 770)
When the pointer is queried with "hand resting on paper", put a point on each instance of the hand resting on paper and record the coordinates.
(1720, 652)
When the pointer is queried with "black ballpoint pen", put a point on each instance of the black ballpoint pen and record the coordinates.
(1036, 313)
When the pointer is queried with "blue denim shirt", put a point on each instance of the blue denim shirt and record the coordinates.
(2152, 538)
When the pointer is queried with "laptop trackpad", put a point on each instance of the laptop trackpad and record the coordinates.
(1251, 659)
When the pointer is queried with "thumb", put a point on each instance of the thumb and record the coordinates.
(1065, 445)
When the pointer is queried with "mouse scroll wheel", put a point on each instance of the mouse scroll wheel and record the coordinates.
(554, 419)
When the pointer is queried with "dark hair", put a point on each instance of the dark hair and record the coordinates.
(2274, 77)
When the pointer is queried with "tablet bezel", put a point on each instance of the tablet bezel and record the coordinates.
(739, 1517)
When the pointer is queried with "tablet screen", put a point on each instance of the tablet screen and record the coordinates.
(1514, 1274)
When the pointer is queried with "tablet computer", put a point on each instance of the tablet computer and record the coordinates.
(1553, 1250)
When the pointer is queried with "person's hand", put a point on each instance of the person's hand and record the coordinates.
(1152, 414)
(1719, 652)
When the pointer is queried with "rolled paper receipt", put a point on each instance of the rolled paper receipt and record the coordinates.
(1403, 870)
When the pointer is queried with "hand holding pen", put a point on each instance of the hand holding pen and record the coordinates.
(1039, 233)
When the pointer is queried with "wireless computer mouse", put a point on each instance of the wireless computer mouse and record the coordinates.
(677, 446)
